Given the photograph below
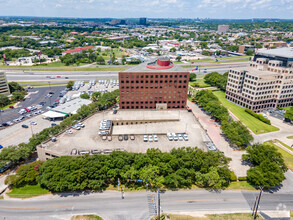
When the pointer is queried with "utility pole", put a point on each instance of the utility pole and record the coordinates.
(159, 208)
(118, 184)
(258, 201)
(122, 193)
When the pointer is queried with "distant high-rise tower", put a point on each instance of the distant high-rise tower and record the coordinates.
(223, 28)
(142, 21)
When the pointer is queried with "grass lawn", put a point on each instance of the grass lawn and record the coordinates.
(240, 185)
(231, 58)
(199, 83)
(56, 64)
(7, 106)
(285, 145)
(200, 60)
(288, 158)
(27, 191)
(255, 125)
(235, 61)
(290, 137)
(214, 216)
(86, 217)
(1, 197)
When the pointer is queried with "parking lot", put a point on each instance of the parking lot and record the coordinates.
(16, 134)
(87, 138)
(36, 95)
(99, 86)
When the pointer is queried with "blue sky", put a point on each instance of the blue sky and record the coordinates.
(149, 8)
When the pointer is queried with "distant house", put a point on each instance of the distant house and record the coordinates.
(77, 50)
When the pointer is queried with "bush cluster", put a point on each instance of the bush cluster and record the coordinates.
(217, 79)
(269, 166)
(258, 116)
(179, 168)
(15, 154)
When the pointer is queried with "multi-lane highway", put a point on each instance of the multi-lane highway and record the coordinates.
(64, 76)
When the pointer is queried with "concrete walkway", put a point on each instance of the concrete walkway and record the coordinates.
(214, 131)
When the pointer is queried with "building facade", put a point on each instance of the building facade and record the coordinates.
(4, 88)
(267, 83)
(156, 85)
(142, 21)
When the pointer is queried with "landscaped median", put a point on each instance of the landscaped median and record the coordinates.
(255, 125)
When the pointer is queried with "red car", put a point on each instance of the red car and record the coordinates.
(27, 109)
(58, 76)
(12, 107)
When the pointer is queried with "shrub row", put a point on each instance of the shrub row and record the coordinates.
(258, 116)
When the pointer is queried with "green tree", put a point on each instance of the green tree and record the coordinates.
(14, 86)
(249, 52)
(85, 96)
(17, 96)
(269, 166)
(192, 77)
(4, 100)
(95, 96)
(178, 58)
(149, 50)
(289, 113)
(70, 84)
(173, 49)
(100, 60)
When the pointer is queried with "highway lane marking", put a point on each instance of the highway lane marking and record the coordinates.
(36, 208)
(206, 200)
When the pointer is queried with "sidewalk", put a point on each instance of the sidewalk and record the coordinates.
(214, 132)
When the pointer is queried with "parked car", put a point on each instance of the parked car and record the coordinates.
(145, 138)
(170, 136)
(80, 124)
(1, 146)
(150, 138)
(125, 137)
(12, 107)
(33, 123)
(180, 138)
(175, 137)
(24, 126)
(185, 137)
(69, 132)
(132, 137)
(120, 138)
(155, 138)
(53, 124)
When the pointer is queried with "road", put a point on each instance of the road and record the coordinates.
(138, 205)
(20, 76)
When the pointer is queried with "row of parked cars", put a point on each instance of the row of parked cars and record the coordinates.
(77, 126)
(105, 151)
(150, 138)
(27, 109)
(105, 127)
(176, 137)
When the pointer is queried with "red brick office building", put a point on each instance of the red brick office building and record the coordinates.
(155, 85)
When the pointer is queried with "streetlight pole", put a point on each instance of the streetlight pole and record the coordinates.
(258, 201)
(159, 204)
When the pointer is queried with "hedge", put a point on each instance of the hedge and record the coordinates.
(233, 177)
(258, 116)
(242, 178)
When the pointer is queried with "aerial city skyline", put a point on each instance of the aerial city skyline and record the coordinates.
(222, 9)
